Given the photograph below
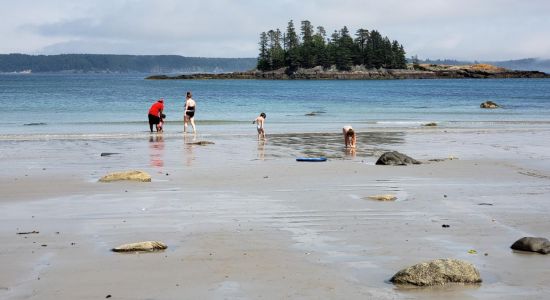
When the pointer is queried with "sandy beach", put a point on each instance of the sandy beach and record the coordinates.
(244, 220)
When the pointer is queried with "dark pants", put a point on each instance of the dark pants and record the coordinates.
(153, 120)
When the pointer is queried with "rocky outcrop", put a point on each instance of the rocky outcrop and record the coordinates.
(126, 175)
(395, 158)
(532, 244)
(438, 272)
(360, 73)
(147, 246)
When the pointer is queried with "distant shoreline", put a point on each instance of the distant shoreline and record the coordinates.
(425, 71)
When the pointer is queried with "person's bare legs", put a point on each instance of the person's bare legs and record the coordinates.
(346, 139)
(185, 119)
(193, 124)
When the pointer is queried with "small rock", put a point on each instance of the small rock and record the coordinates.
(29, 232)
(438, 272)
(201, 143)
(489, 204)
(108, 153)
(431, 124)
(126, 175)
(489, 104)
(445, 225)
(387, 197)
(532, 244)
(108, 296)
(140, 246)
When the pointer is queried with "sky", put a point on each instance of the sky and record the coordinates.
(436, 29)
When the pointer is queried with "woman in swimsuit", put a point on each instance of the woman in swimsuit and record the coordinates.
(189, 114)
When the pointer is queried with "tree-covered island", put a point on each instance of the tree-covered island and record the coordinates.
(312, 48)
(366, 55)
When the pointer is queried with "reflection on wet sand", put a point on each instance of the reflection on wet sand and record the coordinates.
(261, 149)
(189, 156)
(330, 145)
(156, 149)
(350, 152)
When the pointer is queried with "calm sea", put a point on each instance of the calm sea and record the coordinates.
(42, 105)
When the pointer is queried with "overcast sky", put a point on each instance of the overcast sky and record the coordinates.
(459, 29)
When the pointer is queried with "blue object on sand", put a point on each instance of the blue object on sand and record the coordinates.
(311, 159)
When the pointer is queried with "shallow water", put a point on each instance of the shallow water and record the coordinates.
(116, 105)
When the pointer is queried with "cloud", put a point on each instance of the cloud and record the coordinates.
(224, 28)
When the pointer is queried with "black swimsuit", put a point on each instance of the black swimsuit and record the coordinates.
(190, 111)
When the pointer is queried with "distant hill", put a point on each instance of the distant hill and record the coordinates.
(107, 63)
(527, 64)
(534, 64)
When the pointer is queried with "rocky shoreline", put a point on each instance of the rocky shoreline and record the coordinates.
(358, 73)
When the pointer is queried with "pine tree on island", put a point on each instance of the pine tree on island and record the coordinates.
(312, 48)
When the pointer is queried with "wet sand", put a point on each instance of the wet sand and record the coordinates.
(244, 220)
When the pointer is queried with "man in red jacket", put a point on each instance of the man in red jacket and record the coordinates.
(155, 113)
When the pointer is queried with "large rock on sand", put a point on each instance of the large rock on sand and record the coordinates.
(489, 104)
(532, 244)
(395, 158)
(127, 175)
(147, 246)
(438, 272)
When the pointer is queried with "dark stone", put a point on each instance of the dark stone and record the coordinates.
(109, 153)
(395, 158)
(532, 244)
(489, 104)
(201, 143)
(35, 124)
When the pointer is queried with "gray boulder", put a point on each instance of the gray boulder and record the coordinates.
(532, 244)
(395, 158)
(438, 272)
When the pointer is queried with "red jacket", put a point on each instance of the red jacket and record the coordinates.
(156, 108)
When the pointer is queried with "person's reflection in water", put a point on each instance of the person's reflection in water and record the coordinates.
(156, 149)
(189, 157)
(261, 149)
(350, 152)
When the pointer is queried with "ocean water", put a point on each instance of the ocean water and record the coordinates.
(61, 105)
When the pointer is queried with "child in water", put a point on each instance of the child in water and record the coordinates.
(161, 123)
(349, 137)
(260, 125)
